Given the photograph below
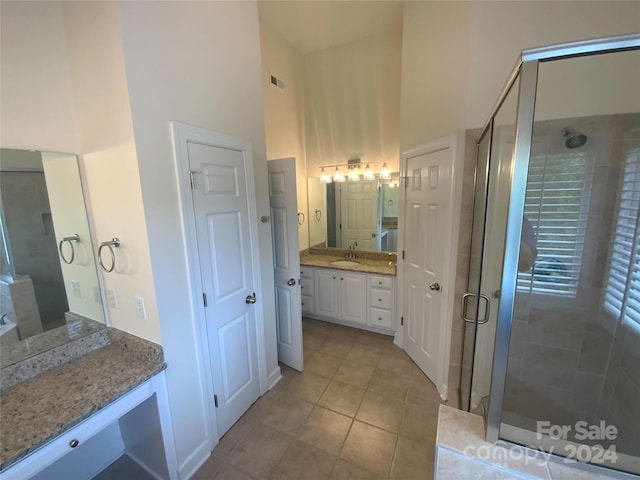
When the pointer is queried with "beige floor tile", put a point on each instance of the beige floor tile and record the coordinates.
(354, 374)
(312, 340)
(323, 364)
(375, 340)
(317, 326)
(344, 333)
(229, 472)
(400, 364)
(304, 461)
(381, 411)
(419, 423)
(325, 429)
(370, 448)
(347, 471)
(260, 451)
(236, 433)
(336, 347)
(389, 383)
(422, 392)
(284, 412)
(342, 398)
(363, 355)
(308, 386)
(413, 460)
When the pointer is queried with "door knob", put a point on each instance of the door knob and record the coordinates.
(435, 286)
(250, 299)
(291, 282)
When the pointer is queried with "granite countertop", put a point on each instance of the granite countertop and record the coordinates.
(39, 409)
(368, 262)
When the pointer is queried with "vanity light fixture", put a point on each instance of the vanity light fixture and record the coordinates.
(325, 177)
(384, 174)
(353, 176)
(368, 174)
(338, 176)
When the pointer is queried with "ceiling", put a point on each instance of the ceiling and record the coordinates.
(314, 25)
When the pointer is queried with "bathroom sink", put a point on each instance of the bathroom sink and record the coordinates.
(345, 263)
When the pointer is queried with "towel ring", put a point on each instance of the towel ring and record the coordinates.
(318, 215)
(300, 218)
(115, 242)
(73, 238)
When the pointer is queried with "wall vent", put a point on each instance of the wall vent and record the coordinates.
(276, 82)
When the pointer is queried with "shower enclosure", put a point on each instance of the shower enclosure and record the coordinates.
(551, 352)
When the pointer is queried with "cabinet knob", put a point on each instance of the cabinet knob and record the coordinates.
(379, 299)
(379, 319)
(379, 283)
(74, 443)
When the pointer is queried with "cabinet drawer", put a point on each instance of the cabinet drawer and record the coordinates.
(306, 272)
(306, 286)
(378, 281)
(379, 318)
(380, 298)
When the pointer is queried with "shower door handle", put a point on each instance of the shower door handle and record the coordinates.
(465, 297)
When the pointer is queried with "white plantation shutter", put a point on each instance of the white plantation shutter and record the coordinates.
(556, 205)
(622, 293)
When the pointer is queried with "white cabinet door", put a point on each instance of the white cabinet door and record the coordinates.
(353, 293)
(326, 293)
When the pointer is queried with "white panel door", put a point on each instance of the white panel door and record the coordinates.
(427, 217)
(286, 260)
(359, 214)
(221, 205)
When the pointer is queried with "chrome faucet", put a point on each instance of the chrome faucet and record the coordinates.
(2, 320)
(351, 253)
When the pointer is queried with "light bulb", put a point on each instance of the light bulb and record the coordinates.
(338, 176)
(385, 171)
(325, 177)
(368, 174)
(353, 176)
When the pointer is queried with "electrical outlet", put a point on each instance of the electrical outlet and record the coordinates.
(75, 288)
(112, 297)
(140, 310)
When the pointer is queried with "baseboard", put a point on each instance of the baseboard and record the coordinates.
(190, 466)
(274, 377)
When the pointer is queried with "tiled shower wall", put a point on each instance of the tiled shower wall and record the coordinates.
(568, 359)
(34, 249)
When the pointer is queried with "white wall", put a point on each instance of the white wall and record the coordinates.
(457, 55)
(353, 103)
(105, 134)
(70, 217)
(197, 63)
(36, 105)
(284, 112)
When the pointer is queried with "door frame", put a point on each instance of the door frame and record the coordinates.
(456, 143)
(181, 134)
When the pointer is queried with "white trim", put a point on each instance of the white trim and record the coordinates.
(274, 377)
(456, 143)
(181, 134)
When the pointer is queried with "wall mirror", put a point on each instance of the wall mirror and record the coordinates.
(362, 213)
(49, 288)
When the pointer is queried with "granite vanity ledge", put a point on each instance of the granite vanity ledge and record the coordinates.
(75, 328)
(40, 409)
(383, 263)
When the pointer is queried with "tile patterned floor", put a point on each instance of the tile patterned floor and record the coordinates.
(361, 410)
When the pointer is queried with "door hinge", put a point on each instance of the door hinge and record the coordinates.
(403, 254)
(401, 321)
(191, 179)
(204, 299)
(215, 400)
(406, 182)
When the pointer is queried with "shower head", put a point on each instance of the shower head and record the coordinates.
(574, 139)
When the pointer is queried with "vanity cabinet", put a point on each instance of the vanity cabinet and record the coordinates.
(326, 293)
(137, 424)
(307, 290)
(357, 299)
